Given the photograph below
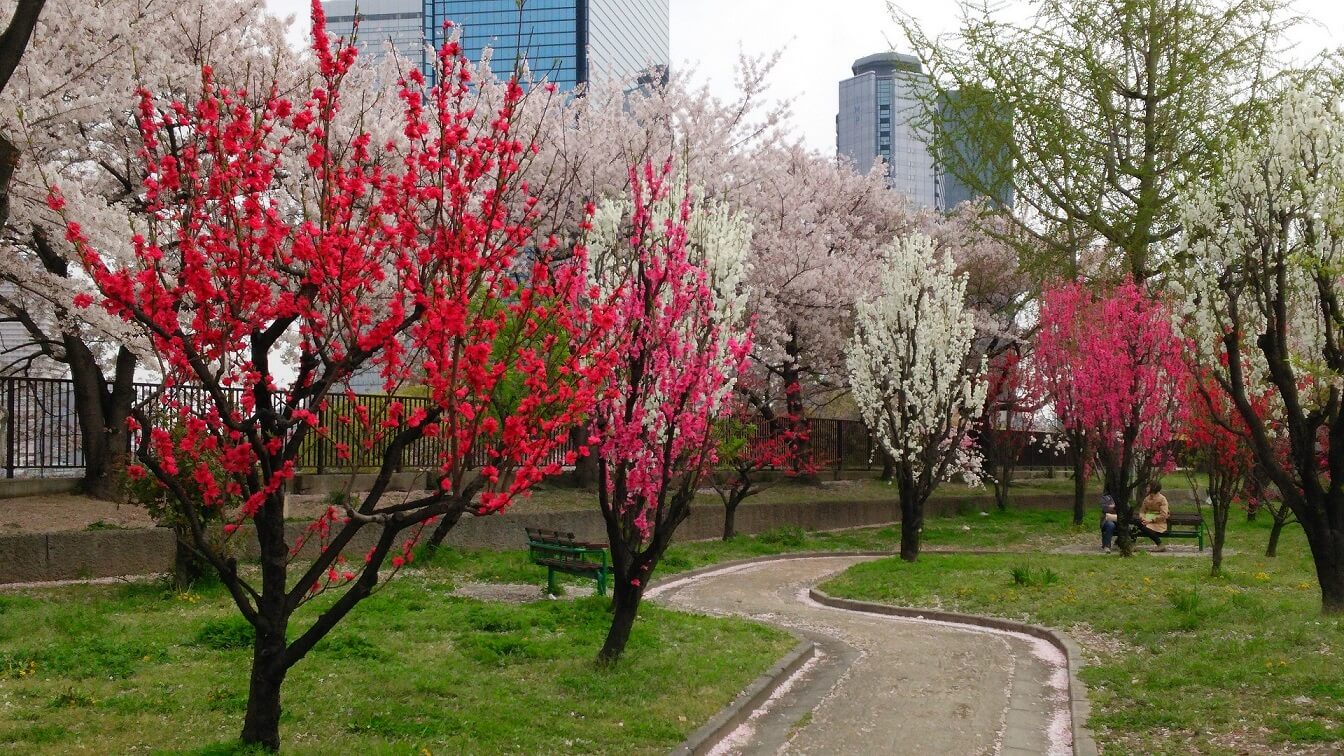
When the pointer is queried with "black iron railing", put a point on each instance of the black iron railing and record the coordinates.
(42, 433)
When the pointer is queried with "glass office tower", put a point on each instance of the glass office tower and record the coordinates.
(380, 21)
(568, 42)
(879, 109)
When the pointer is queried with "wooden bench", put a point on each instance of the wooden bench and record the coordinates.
(559, 552)
(1180, 525)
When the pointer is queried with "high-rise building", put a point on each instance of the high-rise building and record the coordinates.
(400, 22)
(882, 116)
(568, 42)
(879, 118)
(959, 112)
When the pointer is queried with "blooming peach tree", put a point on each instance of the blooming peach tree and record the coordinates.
(750, 450)
(916, 378)
(677, 267)
(414, 258)
(1115, 357)
(1264, 249)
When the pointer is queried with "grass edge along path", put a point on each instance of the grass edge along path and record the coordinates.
(1178, 661)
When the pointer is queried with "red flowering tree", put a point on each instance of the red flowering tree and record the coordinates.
(405, 258)
(681, 344)
(1012, 400)
(749, 449)
(1113, 362)
(1219, 456)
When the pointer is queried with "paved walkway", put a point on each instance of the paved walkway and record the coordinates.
(883, 684)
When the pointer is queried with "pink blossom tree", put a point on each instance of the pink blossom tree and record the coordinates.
(406, 258)
(1113, 360)
(677, 269)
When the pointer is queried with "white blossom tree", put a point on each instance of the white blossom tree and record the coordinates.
(70, 109)
(1264, 254)
(915, 375)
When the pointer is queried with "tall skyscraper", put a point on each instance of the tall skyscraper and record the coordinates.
(568, 42)
(878, 118)
(400, 22)
(881, 116)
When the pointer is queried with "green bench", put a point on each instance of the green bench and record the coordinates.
(1180, 525)
(559, 552)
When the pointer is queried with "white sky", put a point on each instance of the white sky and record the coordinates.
(821, 38)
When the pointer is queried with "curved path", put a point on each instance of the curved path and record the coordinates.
(881, 684)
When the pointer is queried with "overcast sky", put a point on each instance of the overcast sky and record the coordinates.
(821, 38)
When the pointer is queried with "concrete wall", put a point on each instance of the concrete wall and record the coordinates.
(12, 488)
(82, 554)
(110, 553)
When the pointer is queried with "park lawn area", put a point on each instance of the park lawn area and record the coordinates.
(561, 498)
(1179, 661)
(136, 667)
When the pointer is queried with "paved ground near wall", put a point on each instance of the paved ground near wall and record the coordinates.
(883, 684)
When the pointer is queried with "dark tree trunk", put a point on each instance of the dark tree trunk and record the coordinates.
(188, 565)
(1275, 530)
(585, 467)
(446, 524)
(1251, 512)
(1080, 488)
(625, 599)
(1220, 514)
(888, 467)
(912, 516)
(1002, 478)
(102, 412)
(730, 516)
(261, 723)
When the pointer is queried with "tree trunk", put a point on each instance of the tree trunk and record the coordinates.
(1001, 480)
(888, 467)
(585, 467)
(102, 411)
(729, 519)
(188, 566)
(1220, 514)
(625, 607)
(1272, 550)
(1080, 488)
(261, 724)
(912, 517)
(446, 524)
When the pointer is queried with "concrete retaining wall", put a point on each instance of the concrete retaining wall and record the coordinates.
(83, 554)
(12, 488)
(111, 553)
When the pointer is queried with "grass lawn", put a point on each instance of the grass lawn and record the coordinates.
(1182, 662)
(115, 669)
(557, 498)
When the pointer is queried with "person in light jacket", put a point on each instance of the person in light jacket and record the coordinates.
(1153, 514)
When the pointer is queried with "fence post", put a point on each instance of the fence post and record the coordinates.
(839, 447)
(10, 449)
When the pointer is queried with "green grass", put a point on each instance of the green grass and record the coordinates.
(115, 669)
(559, 498)
(1184, 662)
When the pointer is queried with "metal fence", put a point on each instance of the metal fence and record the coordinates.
(42, 434)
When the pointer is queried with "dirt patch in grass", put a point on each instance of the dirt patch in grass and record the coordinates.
(61, 512)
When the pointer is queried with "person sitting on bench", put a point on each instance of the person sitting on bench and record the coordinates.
(1153, 514)
(1108, 521)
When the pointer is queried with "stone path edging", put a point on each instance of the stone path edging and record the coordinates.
(751, 698)
(703, 739)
